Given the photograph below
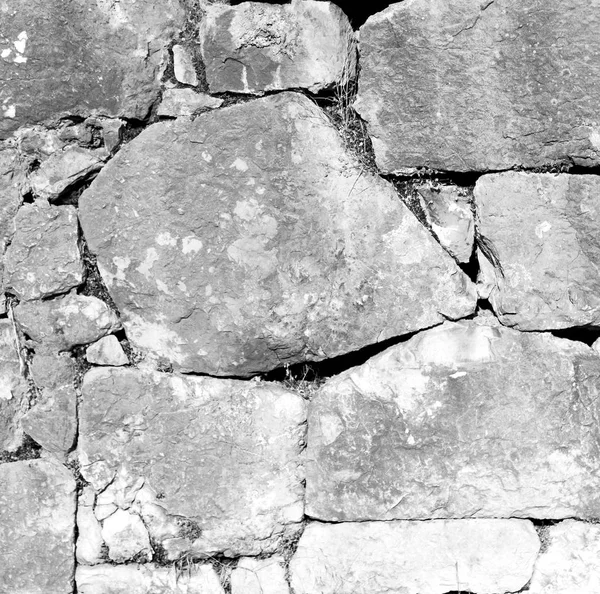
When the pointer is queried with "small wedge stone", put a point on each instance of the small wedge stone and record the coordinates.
(183, 65)
(107, 351)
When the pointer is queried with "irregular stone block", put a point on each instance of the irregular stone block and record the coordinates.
(126, 537)
(463, 420)
(483, 556)
(221, 455)
(114, 70)
(183, 65)
(467, 85)
(571, 561)
(185, 102)
(547, 276)
(107, 351)
(112, 134)
(448, 211)
(142, 579)
(66, 322)
(43, 258)
(259, 576)
(243, 241)
(89, 546)
(37, 527)
(255, 47)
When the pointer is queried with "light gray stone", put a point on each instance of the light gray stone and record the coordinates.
(549, 257)
(145, 579)
(112, 134)
(185, 102)
(217, 458)
(107, 60)
(570, 562)
(259, 576)
(244, 240)
(89, 546)
(37, 528)
(462, 420)
(254, 47)
(44, 258)
(483, 556)
(126, 537)
(107, 351)
(63, 323)
(468, 85)
(183, 65)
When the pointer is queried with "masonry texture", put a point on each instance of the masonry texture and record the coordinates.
(296, 301)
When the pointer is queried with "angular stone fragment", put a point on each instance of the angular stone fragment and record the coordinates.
(114, 69)
(43, 258)
(107, 351)
(254, 47)
(448, 211)
(112, 134)
(463, 420)
(571, 561)
(185, 102)
(183, 65)
(37, 527)
(483, 556)
(221, 457)
(549, 260)
(145, 579)
(249, 238)
(89, 546)
(64, 169)
(259, 576)
(126, 537)
(13, 389)
(468, 85)
(67, 321)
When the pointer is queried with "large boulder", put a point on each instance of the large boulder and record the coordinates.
(463, 420)
(483, 556)
(73, 57)
(542, 271)
(210, 465)
(469, 85)
(249, 238)
(37, 528)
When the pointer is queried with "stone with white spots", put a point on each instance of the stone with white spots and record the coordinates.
(185, 102)
(183, 65)
(542, 232)
(107, 351)
(37, 527)
(126, 537)
(44, 257)
(243, 241)
(210, 465)
(463, 420)
(259, 576)
(481, 85)
(255, 47)
(436, 557)
(147, 578)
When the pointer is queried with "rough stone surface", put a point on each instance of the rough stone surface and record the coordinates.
(550, 258)
(463, 420)
(468, 85)
(571, 561)
(219, 459)
(255, 47)
(63, 169)
(112, 133)
(43, 258)
(146, 579)
(185, 102)
(37, 528)
(106, 61)
(483, 556)
(107, 351)
(67, 321)
(183, 65)
(244, 240)
(13, 389)
(126, 537)
(89, 546)
(448, 211)
(259, 576)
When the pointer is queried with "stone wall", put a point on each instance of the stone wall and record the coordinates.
(299, 302)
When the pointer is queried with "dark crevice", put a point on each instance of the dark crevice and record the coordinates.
(28, 197)
(586, 334)
(448, 178)
(132, 129)
(132, 355)
(71, 195)
(471, 268)
(28, 450)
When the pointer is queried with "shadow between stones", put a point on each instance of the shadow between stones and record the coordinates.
(587, 335)
(28, 450)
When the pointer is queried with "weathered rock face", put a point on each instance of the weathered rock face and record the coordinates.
(483, 556)
(459, 421)
(259, 576)
(37, 527)
(219, 459)
(89, 545)
(571, 561)
(106, 61)
(107, 351)
(481, 85)
(43, 258)
(185, 102)
(255, 47)
(248, 239)
(550, 258)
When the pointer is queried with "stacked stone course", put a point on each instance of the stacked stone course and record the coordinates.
(292, 308)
